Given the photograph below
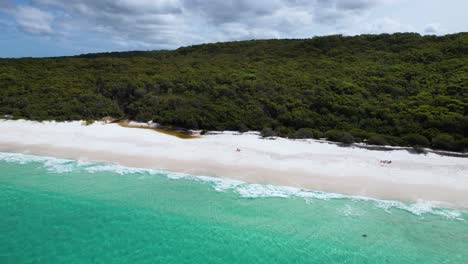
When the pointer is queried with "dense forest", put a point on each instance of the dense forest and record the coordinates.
(398, 89)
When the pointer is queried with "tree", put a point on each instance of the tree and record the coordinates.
(268, 132)
(304, 133)
(377, 140)
(389, 85)
(340, 136)
(443, 141)
(416, 140)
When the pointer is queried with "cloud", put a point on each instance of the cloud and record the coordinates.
(354, 4)
(434, 29)
(126, 23)
(125, 7)
(7, 7)
(229, 11)
(33, 20)
(154, 24)
(388, 25)
(5, 4)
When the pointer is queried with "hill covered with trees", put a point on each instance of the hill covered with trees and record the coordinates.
(399, 89)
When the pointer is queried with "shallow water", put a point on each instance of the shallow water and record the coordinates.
(61, 211)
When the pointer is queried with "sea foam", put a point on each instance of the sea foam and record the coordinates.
(243, 189)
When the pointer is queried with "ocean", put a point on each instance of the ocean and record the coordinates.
(64, 211)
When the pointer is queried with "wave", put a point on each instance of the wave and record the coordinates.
(243, 189)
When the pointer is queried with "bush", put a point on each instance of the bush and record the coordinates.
(339, 136)
(418, 150)
(283, 131)
(346, 138)
(203, 132)
(317, 133)
(377, 140)
(333, 135)
(243, 128)
(443, 141)
(462, 144)
(393, 141)
(267, 132)
(415, 140)
(304, 133)
(89, 122)
(359, 134)
(430, 133)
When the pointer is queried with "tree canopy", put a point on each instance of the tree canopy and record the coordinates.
(399, 89)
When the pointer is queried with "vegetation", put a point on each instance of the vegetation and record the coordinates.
(443, 141)
(377, 140)
(305, 133)
(340, 136)
(416, 140)
(400, 89)
(268, 132)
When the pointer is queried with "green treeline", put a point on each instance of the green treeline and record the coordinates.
(399, 89)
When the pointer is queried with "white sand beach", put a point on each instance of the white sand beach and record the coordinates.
(308, 164)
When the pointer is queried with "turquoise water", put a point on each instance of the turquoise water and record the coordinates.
(61, 211)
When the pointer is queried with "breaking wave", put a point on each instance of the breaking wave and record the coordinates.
(243, 189)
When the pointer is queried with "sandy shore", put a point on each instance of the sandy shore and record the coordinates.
(306, 164)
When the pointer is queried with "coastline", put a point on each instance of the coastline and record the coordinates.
(307, 164)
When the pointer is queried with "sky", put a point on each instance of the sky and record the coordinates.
(42, 28)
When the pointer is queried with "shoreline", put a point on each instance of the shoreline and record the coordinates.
(304, 164)
(362, 145)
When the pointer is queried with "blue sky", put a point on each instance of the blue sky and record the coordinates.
(40, 28)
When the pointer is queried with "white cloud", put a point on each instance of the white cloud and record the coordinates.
(171, 23)
(388, 25)
(154, 24)
(434, 28)
(33, 20)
